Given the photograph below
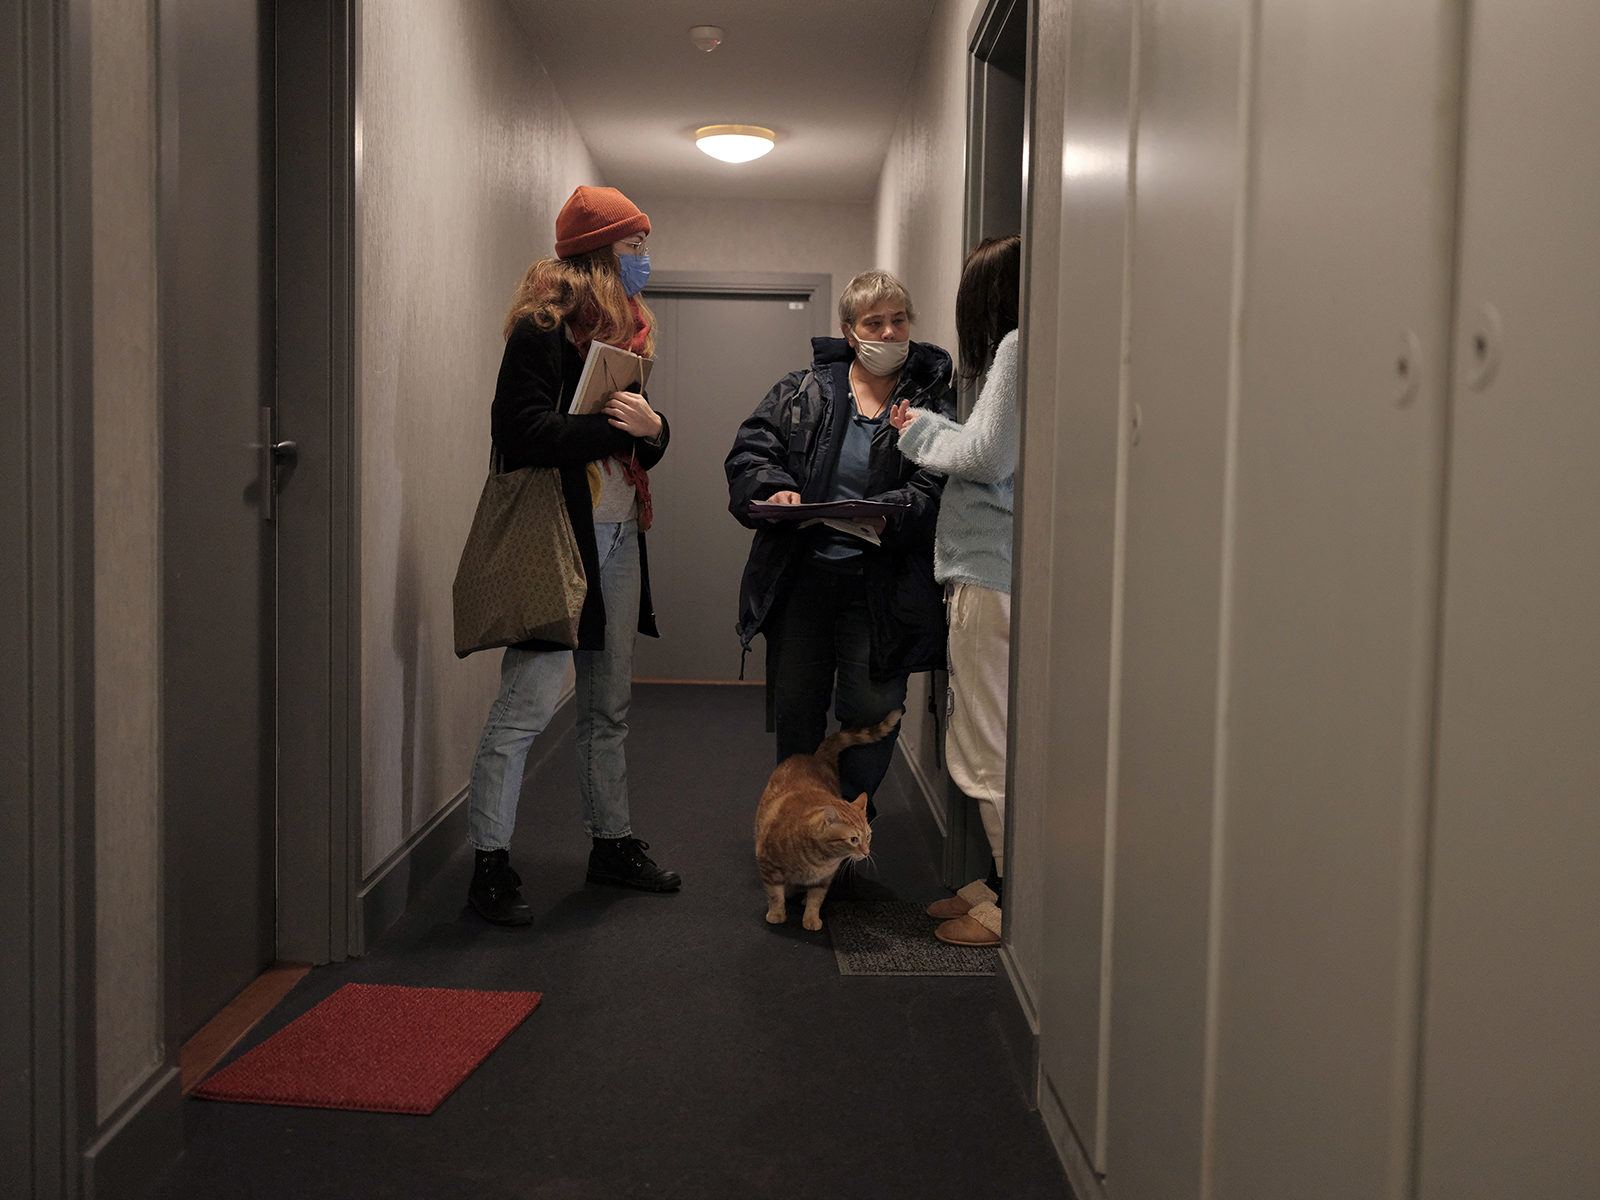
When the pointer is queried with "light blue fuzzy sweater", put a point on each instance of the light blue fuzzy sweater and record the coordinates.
(973, 540)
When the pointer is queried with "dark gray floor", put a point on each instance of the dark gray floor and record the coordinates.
(684, 1048)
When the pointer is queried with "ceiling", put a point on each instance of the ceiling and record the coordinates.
(829, 76)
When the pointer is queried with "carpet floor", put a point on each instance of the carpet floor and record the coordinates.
(684, 1048)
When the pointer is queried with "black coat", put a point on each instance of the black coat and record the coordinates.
(791, 443)
(531, 428)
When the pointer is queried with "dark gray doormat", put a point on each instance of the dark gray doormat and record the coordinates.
(895, 937)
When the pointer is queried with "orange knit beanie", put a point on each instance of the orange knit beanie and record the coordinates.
(596, 216)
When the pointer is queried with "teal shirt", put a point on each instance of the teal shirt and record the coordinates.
(841, 551)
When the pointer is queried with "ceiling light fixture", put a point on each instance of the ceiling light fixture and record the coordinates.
(706, 37)
(735, 143)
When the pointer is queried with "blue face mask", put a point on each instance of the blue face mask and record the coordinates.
(635, 270)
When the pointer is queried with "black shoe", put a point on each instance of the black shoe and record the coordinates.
(623, 860)
(493, 892)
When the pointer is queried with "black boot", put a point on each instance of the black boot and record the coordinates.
(493, 892)
(623, 860)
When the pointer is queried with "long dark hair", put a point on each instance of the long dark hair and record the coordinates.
(987, 300)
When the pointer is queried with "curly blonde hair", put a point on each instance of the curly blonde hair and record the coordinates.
(587, 284)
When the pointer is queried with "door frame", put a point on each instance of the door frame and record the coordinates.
(743, 285)
(987, 53)
(48, 1049)
(317, 181)
(966, 845)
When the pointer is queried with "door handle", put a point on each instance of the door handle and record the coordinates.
(273, 453)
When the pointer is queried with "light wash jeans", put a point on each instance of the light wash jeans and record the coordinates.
(530, 686)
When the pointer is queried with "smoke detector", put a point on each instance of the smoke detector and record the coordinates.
(706, 37)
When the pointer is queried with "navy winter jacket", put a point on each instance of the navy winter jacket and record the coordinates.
(791, 443)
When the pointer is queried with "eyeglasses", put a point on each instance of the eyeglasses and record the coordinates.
(634, 247)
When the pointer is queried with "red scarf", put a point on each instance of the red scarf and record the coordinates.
(582, 330)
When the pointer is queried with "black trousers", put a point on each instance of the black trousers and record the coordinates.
(822, 654)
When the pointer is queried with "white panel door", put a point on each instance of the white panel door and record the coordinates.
(1187, 179)
(1094, 188)
(1511, 1083)
(1333, 586)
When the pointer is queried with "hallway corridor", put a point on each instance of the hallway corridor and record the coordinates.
(684, 1048)
(1299, 649)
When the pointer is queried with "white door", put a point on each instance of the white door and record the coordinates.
(1511, 1082)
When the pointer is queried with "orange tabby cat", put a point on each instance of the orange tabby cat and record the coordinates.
(804, 831)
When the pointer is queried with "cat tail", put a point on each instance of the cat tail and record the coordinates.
(828, 752)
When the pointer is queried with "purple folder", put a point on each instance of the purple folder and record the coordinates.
(842, 510)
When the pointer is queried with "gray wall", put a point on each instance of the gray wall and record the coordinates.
(810, 237)
(467, 155)
(128, 936)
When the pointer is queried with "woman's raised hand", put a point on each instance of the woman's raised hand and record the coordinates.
(901, 415)
(631, 413)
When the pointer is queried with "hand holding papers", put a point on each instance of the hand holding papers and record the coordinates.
(848, 510)
(859, 518)
(608, 369)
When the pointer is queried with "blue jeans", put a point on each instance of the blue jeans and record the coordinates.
(822, 649)
(530, 686)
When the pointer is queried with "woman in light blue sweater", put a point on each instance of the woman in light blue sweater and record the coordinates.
(972, 558)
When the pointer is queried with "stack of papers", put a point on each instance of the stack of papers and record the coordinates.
(843, 515)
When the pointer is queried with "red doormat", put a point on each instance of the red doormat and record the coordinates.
(376, 1048)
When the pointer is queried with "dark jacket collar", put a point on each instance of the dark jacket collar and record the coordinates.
(926, 364)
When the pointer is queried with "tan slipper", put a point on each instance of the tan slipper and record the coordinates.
(959, 905)
(979, 927)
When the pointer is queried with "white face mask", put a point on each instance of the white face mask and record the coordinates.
(882, 358)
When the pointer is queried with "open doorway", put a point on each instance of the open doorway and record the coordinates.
(996, 72)
(997, 44)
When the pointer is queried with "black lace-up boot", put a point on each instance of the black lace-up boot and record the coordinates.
(493, 892)
(623, 860)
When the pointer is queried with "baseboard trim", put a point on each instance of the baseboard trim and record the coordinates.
(385, 893)
(925, 786)
(1019, 1025)
(138, 1148)
(1086, 1184)
(199, 1056)
(1020, 990)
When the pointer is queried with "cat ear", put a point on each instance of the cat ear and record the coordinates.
(860, 802)
(830, 817)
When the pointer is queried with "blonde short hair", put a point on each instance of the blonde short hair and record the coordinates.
(870, 289)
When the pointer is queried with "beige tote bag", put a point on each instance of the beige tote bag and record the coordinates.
(520, 575)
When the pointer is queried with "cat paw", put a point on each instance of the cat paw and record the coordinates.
(809, 921)
(776, 918)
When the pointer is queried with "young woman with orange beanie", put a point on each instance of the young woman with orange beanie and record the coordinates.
(587, 294)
